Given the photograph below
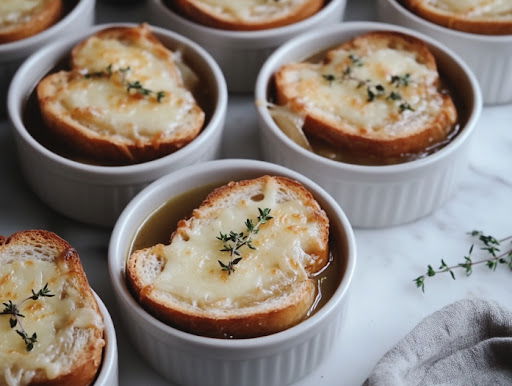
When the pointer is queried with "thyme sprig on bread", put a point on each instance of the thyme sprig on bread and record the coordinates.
(493, 250)
(374, 90)
(131, 86)
(13, 310)
(233, 241)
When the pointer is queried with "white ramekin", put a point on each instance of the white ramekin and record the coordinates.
(12, 54)
(97, 194)
(108, 374)
(372, 196)
(490, 57)
(241, 54)
(188, 359)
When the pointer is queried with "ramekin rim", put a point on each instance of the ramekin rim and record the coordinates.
(267, 71)
(48, 32)
(15, 106)
(116, 270)
(289, 29)
(109, 358)
(461, 34)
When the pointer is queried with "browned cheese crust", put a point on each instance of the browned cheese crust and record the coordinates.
(361, 141)
(192, 10)
(47, 15)
(84, 370)
(290, 310)
(67, 126)
(459, 22)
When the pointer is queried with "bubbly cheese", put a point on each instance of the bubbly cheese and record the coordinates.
(53, 319)
(192, 272)
(18, 11)
(358, 92)
(481, 9)
(249, 10)
(104, 105)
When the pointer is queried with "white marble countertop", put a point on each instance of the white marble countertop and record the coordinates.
(384, 304)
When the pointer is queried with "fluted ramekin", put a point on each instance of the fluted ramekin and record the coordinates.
(12, 54)
(188, 359)
(489, 56)
(108, 373)
(373, 196)
(97, 194)
(241, 54)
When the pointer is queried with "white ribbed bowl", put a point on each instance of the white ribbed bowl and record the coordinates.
(373, 196)
(241, 54)
(489, 56)
(187, 359)
(108, 374)
(97, 194)
(12, 54)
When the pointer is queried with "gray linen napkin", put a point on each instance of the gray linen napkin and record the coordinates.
(465, 343)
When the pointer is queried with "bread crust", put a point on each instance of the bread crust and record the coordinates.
(66, 125)
(481, 26)
(282, 313)
(46, 16)
(86, 366)
(381, 144)
(193, 10)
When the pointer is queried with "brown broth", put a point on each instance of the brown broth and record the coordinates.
(160, 225)
(35, 125)
(332, 152)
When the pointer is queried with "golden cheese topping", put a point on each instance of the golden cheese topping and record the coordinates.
(478, 9)
(249, 10)
(18, 11)
(192, 272)
(385, 88)
(53, 319)
(127, 91)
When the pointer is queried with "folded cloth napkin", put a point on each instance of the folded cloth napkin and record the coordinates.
(465, 343)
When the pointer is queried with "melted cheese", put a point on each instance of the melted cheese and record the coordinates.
(18, 11)
(104, 105)
(52, 318)
(481, 9)
(249, 10)
(192, 272)
(344, 100)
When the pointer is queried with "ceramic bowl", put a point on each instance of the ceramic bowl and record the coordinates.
(374, 196)
(97, 194)
(77, 20)
(489, 56)
(108, 373)
(241, 54)
(187, 359)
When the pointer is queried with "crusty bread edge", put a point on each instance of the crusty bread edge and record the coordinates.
(460, 23)
(383, 148)
(48, 16)
(103, 148)
(201, 16)
(244, 326)
(84, 370)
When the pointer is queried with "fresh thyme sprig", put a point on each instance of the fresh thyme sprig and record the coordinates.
(131, 87)
(377, 90)
(489, 244)
(13, 310)
(233, 241)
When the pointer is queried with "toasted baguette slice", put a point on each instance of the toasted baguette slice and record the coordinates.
(21, 19)
(68, 325)
(377, 94)
(268, 290)
(247, 15)
(124, 101)
(488, 17)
